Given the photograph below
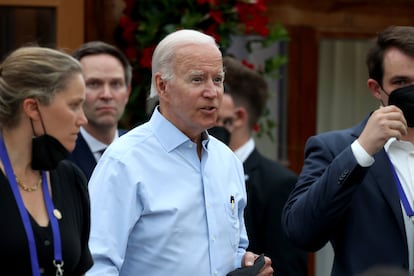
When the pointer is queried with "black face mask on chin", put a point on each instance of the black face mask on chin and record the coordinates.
(220, 133)
(47, 151)
(403, 98)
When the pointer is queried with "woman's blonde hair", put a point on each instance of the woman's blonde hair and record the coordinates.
(32, 72)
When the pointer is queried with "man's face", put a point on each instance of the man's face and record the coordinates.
(398, 71)
(191, 99)
(106, 90)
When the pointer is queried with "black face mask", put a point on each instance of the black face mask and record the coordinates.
(403, 98)
(220, 133)
(47, 151)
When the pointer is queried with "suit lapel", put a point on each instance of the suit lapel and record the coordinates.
(84, 156)
(382, 173)
(250, 165)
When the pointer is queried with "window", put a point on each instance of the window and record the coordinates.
(51, 23)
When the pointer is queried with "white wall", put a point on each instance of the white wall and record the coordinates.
(265, 145)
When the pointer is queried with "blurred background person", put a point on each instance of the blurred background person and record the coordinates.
(225, 120)
(44, 198)
(268, 183)
(108, 75)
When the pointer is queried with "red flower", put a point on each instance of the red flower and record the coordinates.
(217, 16)
(211, 30)
(131, 52)
(146, 56)
(256, 127)
(247, 64)
(129, 26)
(253, 17)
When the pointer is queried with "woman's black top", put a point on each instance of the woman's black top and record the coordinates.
(70, 197)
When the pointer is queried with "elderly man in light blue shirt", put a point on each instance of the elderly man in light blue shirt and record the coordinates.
(167, 198)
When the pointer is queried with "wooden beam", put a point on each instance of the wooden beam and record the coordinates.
(365, 18)
(30, 3)
(70, 17)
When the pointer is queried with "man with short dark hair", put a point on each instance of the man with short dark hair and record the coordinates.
(268, 183)
(356, 186)
(107, 74)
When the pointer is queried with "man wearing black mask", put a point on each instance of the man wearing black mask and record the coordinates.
(225, 120)
(404, 98)
(268, 183)
(356, 187)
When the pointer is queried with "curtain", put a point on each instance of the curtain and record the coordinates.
(343, 96)
(343, 100)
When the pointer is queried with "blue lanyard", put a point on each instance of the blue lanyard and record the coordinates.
(408, 210)
(58, 262)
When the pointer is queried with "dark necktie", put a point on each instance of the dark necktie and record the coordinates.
(101, 152)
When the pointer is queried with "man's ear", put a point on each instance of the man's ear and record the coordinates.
(241, 116)
(375, 88)
(31, 108)
(128, 93)
(129, 88)
(160, 85)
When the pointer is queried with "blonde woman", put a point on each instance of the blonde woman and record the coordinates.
(44, 226)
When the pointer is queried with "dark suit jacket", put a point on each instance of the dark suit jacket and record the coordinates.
(83, 157)
(357, 209)
(268, 187)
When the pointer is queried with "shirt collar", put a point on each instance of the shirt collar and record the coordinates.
(169, 135)
(244, 151)
(94, 144)
(394, 143)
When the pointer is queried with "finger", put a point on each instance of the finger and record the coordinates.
(249, 258)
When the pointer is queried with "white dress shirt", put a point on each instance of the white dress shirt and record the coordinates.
(96, 146)
(401, 154)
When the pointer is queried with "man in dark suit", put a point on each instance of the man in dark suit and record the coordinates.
(108, 75)
(355, 189)
(268, 183)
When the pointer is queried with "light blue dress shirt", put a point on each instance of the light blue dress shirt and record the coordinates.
(158, 210)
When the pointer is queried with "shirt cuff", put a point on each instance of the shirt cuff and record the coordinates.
(362, 157)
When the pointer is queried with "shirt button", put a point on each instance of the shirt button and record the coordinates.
(215, 273)
(46, 242)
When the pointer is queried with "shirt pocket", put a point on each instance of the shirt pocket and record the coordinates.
(232, 216)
